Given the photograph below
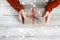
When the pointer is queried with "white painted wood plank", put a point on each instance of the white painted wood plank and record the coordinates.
(14, 21)
(43, 33)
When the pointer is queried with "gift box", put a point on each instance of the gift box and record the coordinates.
(37, 19)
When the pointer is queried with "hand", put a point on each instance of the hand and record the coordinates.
(46, 16)
(22, 16)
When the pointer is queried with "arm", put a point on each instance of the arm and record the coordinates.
(51, 5)
(16, 4)
(18, 7)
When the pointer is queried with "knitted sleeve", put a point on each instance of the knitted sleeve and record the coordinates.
(51, 5)
(16, 4)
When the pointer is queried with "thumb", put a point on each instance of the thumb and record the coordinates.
(46, 14)
(23, 13)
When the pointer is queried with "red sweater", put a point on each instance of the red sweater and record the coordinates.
(16, 4)
(51, 5)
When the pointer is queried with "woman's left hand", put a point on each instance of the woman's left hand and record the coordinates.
(46, 16)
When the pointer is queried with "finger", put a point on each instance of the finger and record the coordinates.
(23, 13)
(20, 17)
(46, 14)
(47, 19)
